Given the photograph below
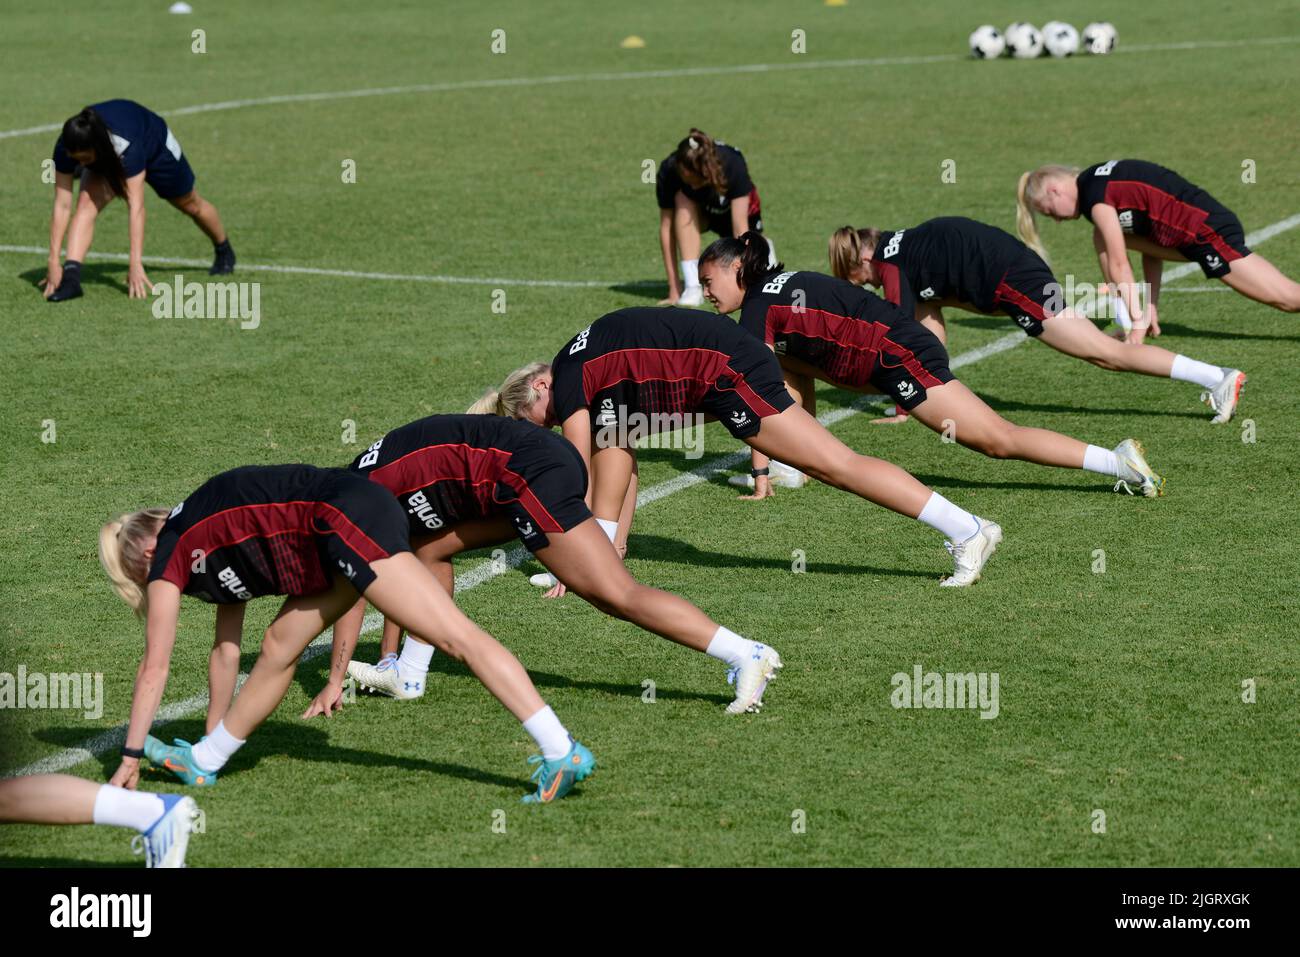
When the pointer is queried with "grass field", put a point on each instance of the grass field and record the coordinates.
(1119, 691)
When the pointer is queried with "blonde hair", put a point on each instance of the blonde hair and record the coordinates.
(847, 246)
(514, 395)
(121, 551)
(1030, 190)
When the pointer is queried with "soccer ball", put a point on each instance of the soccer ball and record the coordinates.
(1024, 42)
(1099, 38)
(1061, 39)
(986, 43)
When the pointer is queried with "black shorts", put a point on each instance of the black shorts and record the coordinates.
(358, 522)
(721, 224)
(1219, 242)
(911, 360)
(1025, 290)
(552, 496)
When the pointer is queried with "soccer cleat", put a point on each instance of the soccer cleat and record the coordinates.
(1224, 396)
(751, 679)
(691, 296)
(970, 556)
(780, 474)
(386, 678)
(165, 842)
(1134, 470)
(557, 778)
(223, 262)
(178, 758)
(69, 288)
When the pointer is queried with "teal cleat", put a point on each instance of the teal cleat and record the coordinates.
(557, 778)
(178, 759)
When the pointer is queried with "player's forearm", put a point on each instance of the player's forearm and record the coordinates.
(135, 232)
(150, 681)
(59, 220)
(669, 254)
(1153, 269)
(740, 216)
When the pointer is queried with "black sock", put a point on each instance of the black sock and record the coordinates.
(223, 246)
(72, 270)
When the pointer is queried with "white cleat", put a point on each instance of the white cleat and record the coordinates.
(691, 296)
(1135, 472)
(543, 580)
(1223, 397)
(385, 678)
(970, 556)
(779, 474)
(165, 843)
(751, 679)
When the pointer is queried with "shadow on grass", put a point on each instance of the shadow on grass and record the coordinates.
(652, 289)
(1177, 329)
(670, 550)
(1017, 405)
(92, 274)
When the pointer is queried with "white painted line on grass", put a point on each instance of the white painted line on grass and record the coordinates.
(614, 77)
(488, 570)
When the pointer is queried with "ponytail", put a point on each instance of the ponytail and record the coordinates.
(751, 249)
(121, 551)
(698, 154)
(847, 247)
(515, 394)
(87, 131)
(1029, 190)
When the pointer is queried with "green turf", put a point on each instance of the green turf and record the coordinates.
(1119, 691)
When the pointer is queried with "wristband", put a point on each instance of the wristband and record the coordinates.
(757, 472)
(132, 752)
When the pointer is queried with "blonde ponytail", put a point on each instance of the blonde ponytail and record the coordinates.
(122, 544)
(515, 394)
(1028, 192)
(847, 247)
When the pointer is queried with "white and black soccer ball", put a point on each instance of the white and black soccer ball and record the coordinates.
(986, 43)
(1060, 39)
(1099, 38)
(1024, 42)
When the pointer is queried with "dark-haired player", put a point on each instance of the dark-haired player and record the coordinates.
(636, 367)
(702, 185)
(115, 147)
(320, 537)
(476, 480)
(829, 329)
(958, 262)
(1133, 204)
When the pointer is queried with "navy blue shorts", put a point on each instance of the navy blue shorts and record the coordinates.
(168, 171)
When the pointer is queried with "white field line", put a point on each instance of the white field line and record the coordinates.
(114, 738)
(614, 77)
(352, 273)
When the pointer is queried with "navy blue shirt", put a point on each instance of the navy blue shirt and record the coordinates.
(138, 136)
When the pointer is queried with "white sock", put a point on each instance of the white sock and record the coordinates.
(1191, 370)
(549, 734)
(1102, 461)
(690, 272)
(123, 808)
(955, 524)
(609, 528)
(212, 753)
(415, 659)
(729, 647)
(1121, 314)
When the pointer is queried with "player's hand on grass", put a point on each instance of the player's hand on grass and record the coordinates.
(558, 591)
(1153, 318)
(138, 285)
(327, 702)
(53, 276)
(127, 774)
(891, 419)
(763, 488)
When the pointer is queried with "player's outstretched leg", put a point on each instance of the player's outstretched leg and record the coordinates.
(796, 437)
(1075, 335)
(164, 821)
(584, 559)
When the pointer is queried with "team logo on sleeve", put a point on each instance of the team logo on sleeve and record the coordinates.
(1213, 262)
(906, 389)
(524, 527)
(739, 418)
(928, 292)
(607, 415)
(423, 511)
(176, 511)
(580, 341)
(777, 282)
(1126, 220)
